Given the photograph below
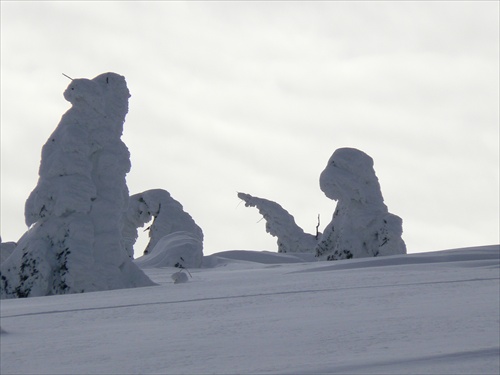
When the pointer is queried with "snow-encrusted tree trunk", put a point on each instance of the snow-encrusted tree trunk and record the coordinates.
(76, 211)
(280, 224)
(361, 225)
(169, 217)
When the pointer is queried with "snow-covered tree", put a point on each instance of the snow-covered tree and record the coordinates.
(280, 224)
(76, 211)
(169, 217)
(361, 225)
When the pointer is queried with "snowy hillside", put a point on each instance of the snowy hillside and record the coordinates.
(260, 312)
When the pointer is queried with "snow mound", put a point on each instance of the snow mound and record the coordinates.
(179, 249)
(261, 257)
(179, 277)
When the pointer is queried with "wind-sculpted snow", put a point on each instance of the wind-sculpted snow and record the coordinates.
(280, 224)
(178, 249)
(169, 217)
(76, 210)
(361, 225)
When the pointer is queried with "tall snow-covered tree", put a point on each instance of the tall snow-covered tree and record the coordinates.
(75, 213)
(281, 224)
(168, 217)
(361, 225)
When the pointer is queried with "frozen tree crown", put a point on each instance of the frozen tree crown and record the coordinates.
(349, 174)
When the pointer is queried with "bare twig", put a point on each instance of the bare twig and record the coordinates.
(317, 228)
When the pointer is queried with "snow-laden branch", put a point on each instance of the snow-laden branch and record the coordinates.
(280, 224)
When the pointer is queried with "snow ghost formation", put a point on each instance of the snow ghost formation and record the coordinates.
(170, 221)
(280, 224)
(361, 225)
(75, 213)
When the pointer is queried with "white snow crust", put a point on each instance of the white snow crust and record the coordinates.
(427, 313)
(76, 211)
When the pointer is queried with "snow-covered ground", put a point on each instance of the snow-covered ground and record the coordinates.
(260, 312)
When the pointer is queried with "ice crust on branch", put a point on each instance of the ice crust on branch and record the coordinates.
(280, 224)
(169, 217)
(361, 225)
(76, 211)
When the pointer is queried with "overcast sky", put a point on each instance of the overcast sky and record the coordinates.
(256, 96)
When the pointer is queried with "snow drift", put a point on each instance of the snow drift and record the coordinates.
(179, 249)
(76, 211)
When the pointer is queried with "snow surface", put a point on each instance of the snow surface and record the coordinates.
(247, 312)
